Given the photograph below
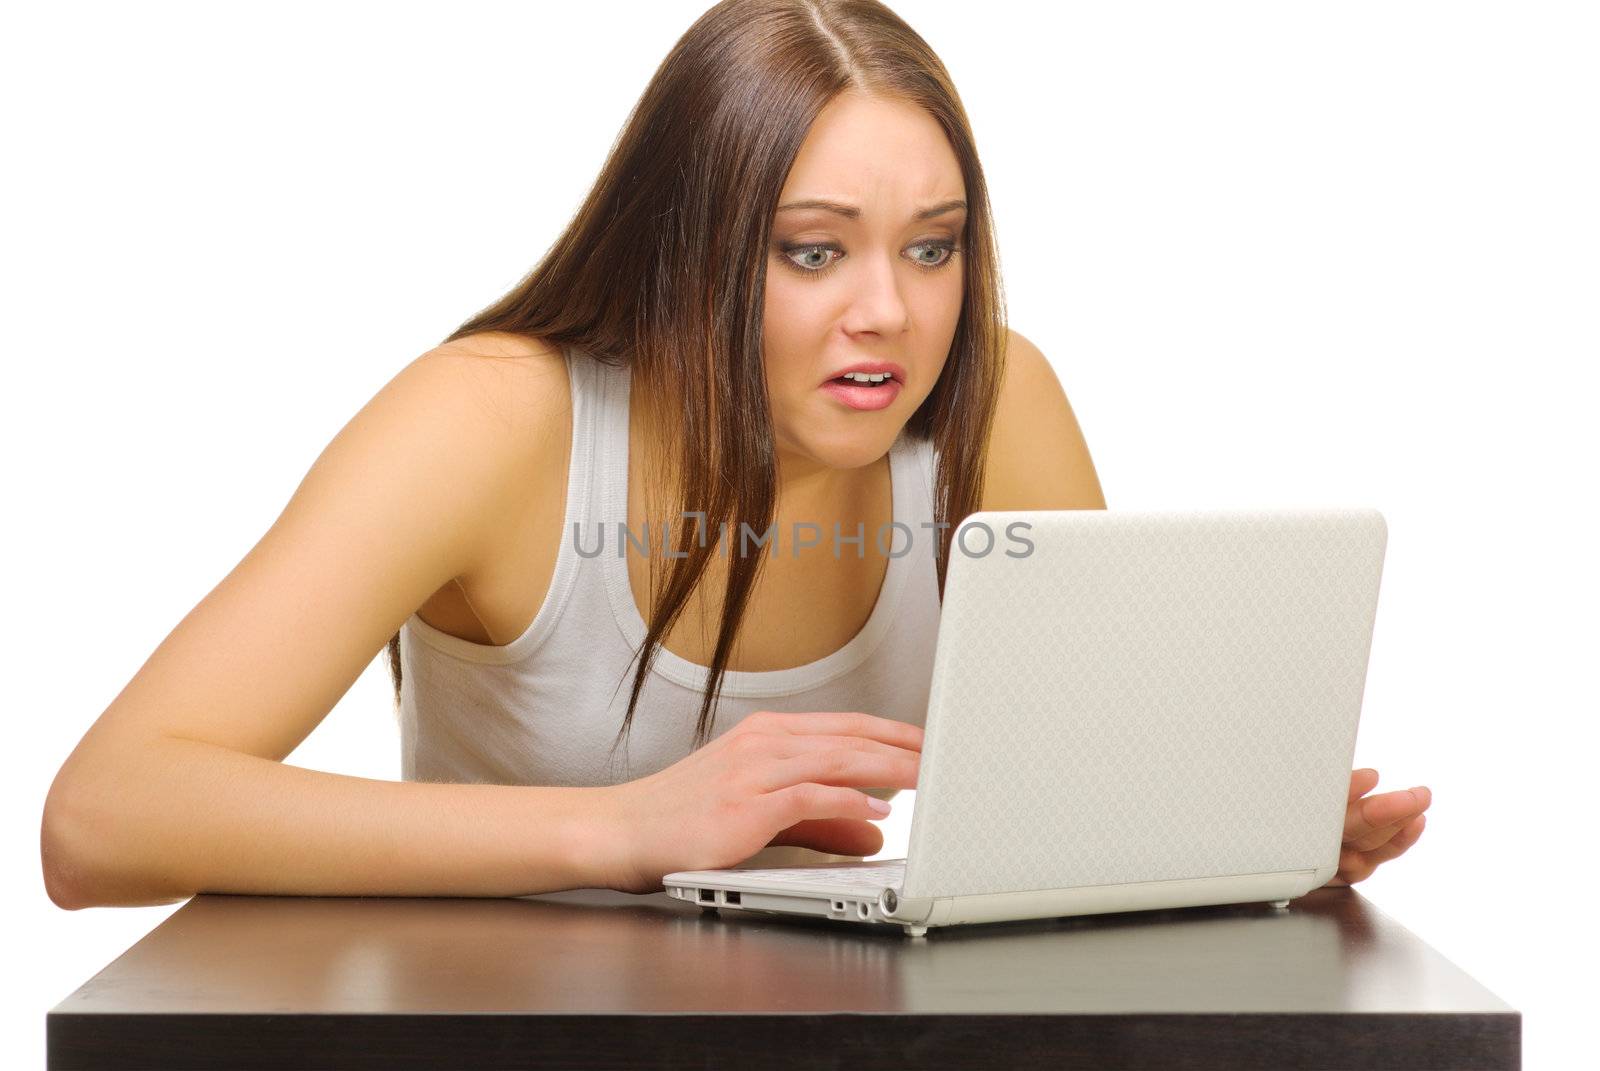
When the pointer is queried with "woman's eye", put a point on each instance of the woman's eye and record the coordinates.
(808, 253)
(813, 258)
(947, 248)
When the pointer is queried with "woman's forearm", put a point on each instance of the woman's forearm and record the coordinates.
(189, 817)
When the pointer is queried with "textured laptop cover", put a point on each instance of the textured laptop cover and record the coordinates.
(1153, 696)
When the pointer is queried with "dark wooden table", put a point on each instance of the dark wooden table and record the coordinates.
(595, 978)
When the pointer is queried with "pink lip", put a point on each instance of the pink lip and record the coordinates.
(864, 398)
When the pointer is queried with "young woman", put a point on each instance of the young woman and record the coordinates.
(794, 206)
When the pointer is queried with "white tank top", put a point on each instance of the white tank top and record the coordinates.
(545, 708)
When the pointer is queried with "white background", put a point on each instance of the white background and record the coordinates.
(1279, 253)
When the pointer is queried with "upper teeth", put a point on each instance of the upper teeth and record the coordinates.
(868, 377)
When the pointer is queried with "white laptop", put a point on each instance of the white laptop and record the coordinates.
(1129, 710)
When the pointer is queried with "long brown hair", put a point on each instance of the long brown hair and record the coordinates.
(663, 269)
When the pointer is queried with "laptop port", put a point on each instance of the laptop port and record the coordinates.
(708, 896)
(863, 910)
(838, 905)
(733, 898)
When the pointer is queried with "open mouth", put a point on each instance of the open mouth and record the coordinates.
(858, 390)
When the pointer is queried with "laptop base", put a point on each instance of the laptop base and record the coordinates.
(916, 917)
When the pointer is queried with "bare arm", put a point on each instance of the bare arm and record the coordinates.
(179, 786)
(1038, 458)
(192, 817)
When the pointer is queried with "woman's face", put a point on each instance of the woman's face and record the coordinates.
(879, 286)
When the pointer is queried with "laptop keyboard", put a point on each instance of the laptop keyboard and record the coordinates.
(866, 876)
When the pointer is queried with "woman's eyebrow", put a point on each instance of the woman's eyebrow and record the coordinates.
(854, 212)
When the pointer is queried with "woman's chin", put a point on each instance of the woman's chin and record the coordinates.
(846, 451)
(837, 438)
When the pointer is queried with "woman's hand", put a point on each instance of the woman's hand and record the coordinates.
(1378, 828)
(772, 779)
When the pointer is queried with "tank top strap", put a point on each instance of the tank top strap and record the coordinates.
(594, 400)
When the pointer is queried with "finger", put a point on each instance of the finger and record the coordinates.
(1402, 840)
(1357, 865)
(1354, 866)
(841, 766)
(848, 723)
(1378, 837)
(788, 745)
(1362, 781)
(837, 836)
(809, 803)
(1374, 812)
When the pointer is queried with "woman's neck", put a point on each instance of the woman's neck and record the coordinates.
(807, 491)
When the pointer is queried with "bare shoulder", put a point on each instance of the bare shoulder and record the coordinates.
(1038, 458)
(521, 379)
(504, 386)
(503, 403)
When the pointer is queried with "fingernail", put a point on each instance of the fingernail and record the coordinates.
(880, 806)
(1421, 794)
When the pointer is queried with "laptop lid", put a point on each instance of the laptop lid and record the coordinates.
(1134, 696)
